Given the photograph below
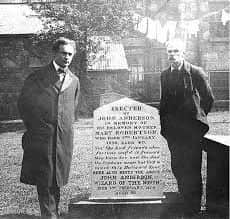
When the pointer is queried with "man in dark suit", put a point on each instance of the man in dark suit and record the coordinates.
(186, 99)
(47, 105)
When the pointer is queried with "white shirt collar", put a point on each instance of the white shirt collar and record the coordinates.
(179, 68)
(56, 66)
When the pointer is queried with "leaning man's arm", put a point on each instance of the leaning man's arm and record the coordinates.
(205, 91)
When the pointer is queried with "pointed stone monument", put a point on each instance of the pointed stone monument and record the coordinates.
(126, 152)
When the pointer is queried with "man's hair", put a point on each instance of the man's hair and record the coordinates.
(63, 41)
(178, 43)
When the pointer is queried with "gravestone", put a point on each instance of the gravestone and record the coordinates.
(126, 176)
(126, 161)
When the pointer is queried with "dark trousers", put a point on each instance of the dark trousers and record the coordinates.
(186, 158)
(49, 198)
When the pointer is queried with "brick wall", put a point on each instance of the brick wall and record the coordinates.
(14, 67)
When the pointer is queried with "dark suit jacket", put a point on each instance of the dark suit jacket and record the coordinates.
(48, 113)
(184, 106)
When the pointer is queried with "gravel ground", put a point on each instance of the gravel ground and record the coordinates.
(20, 201)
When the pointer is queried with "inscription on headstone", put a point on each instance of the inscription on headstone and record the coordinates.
(126, 152)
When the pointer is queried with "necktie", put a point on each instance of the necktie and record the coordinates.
(61, 73)
(174, 81)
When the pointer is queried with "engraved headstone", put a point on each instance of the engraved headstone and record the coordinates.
(126, 160)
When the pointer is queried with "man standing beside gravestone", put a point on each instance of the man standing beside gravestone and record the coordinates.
(47, 105)
(186, 99)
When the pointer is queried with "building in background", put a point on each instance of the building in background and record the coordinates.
(17, 23)
(108, 72)
(204, 24)
(215, 50)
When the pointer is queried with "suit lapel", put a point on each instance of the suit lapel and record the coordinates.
(54, 79)
(186, 68)
(67, 81)
(51, 74)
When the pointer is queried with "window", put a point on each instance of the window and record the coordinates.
(136, 68)
(137, 72)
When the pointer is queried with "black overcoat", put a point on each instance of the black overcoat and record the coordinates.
(185, 102)
(48, 108)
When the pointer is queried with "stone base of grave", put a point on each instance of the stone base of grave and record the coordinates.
(125, 209)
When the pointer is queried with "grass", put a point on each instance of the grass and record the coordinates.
(20, 201)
